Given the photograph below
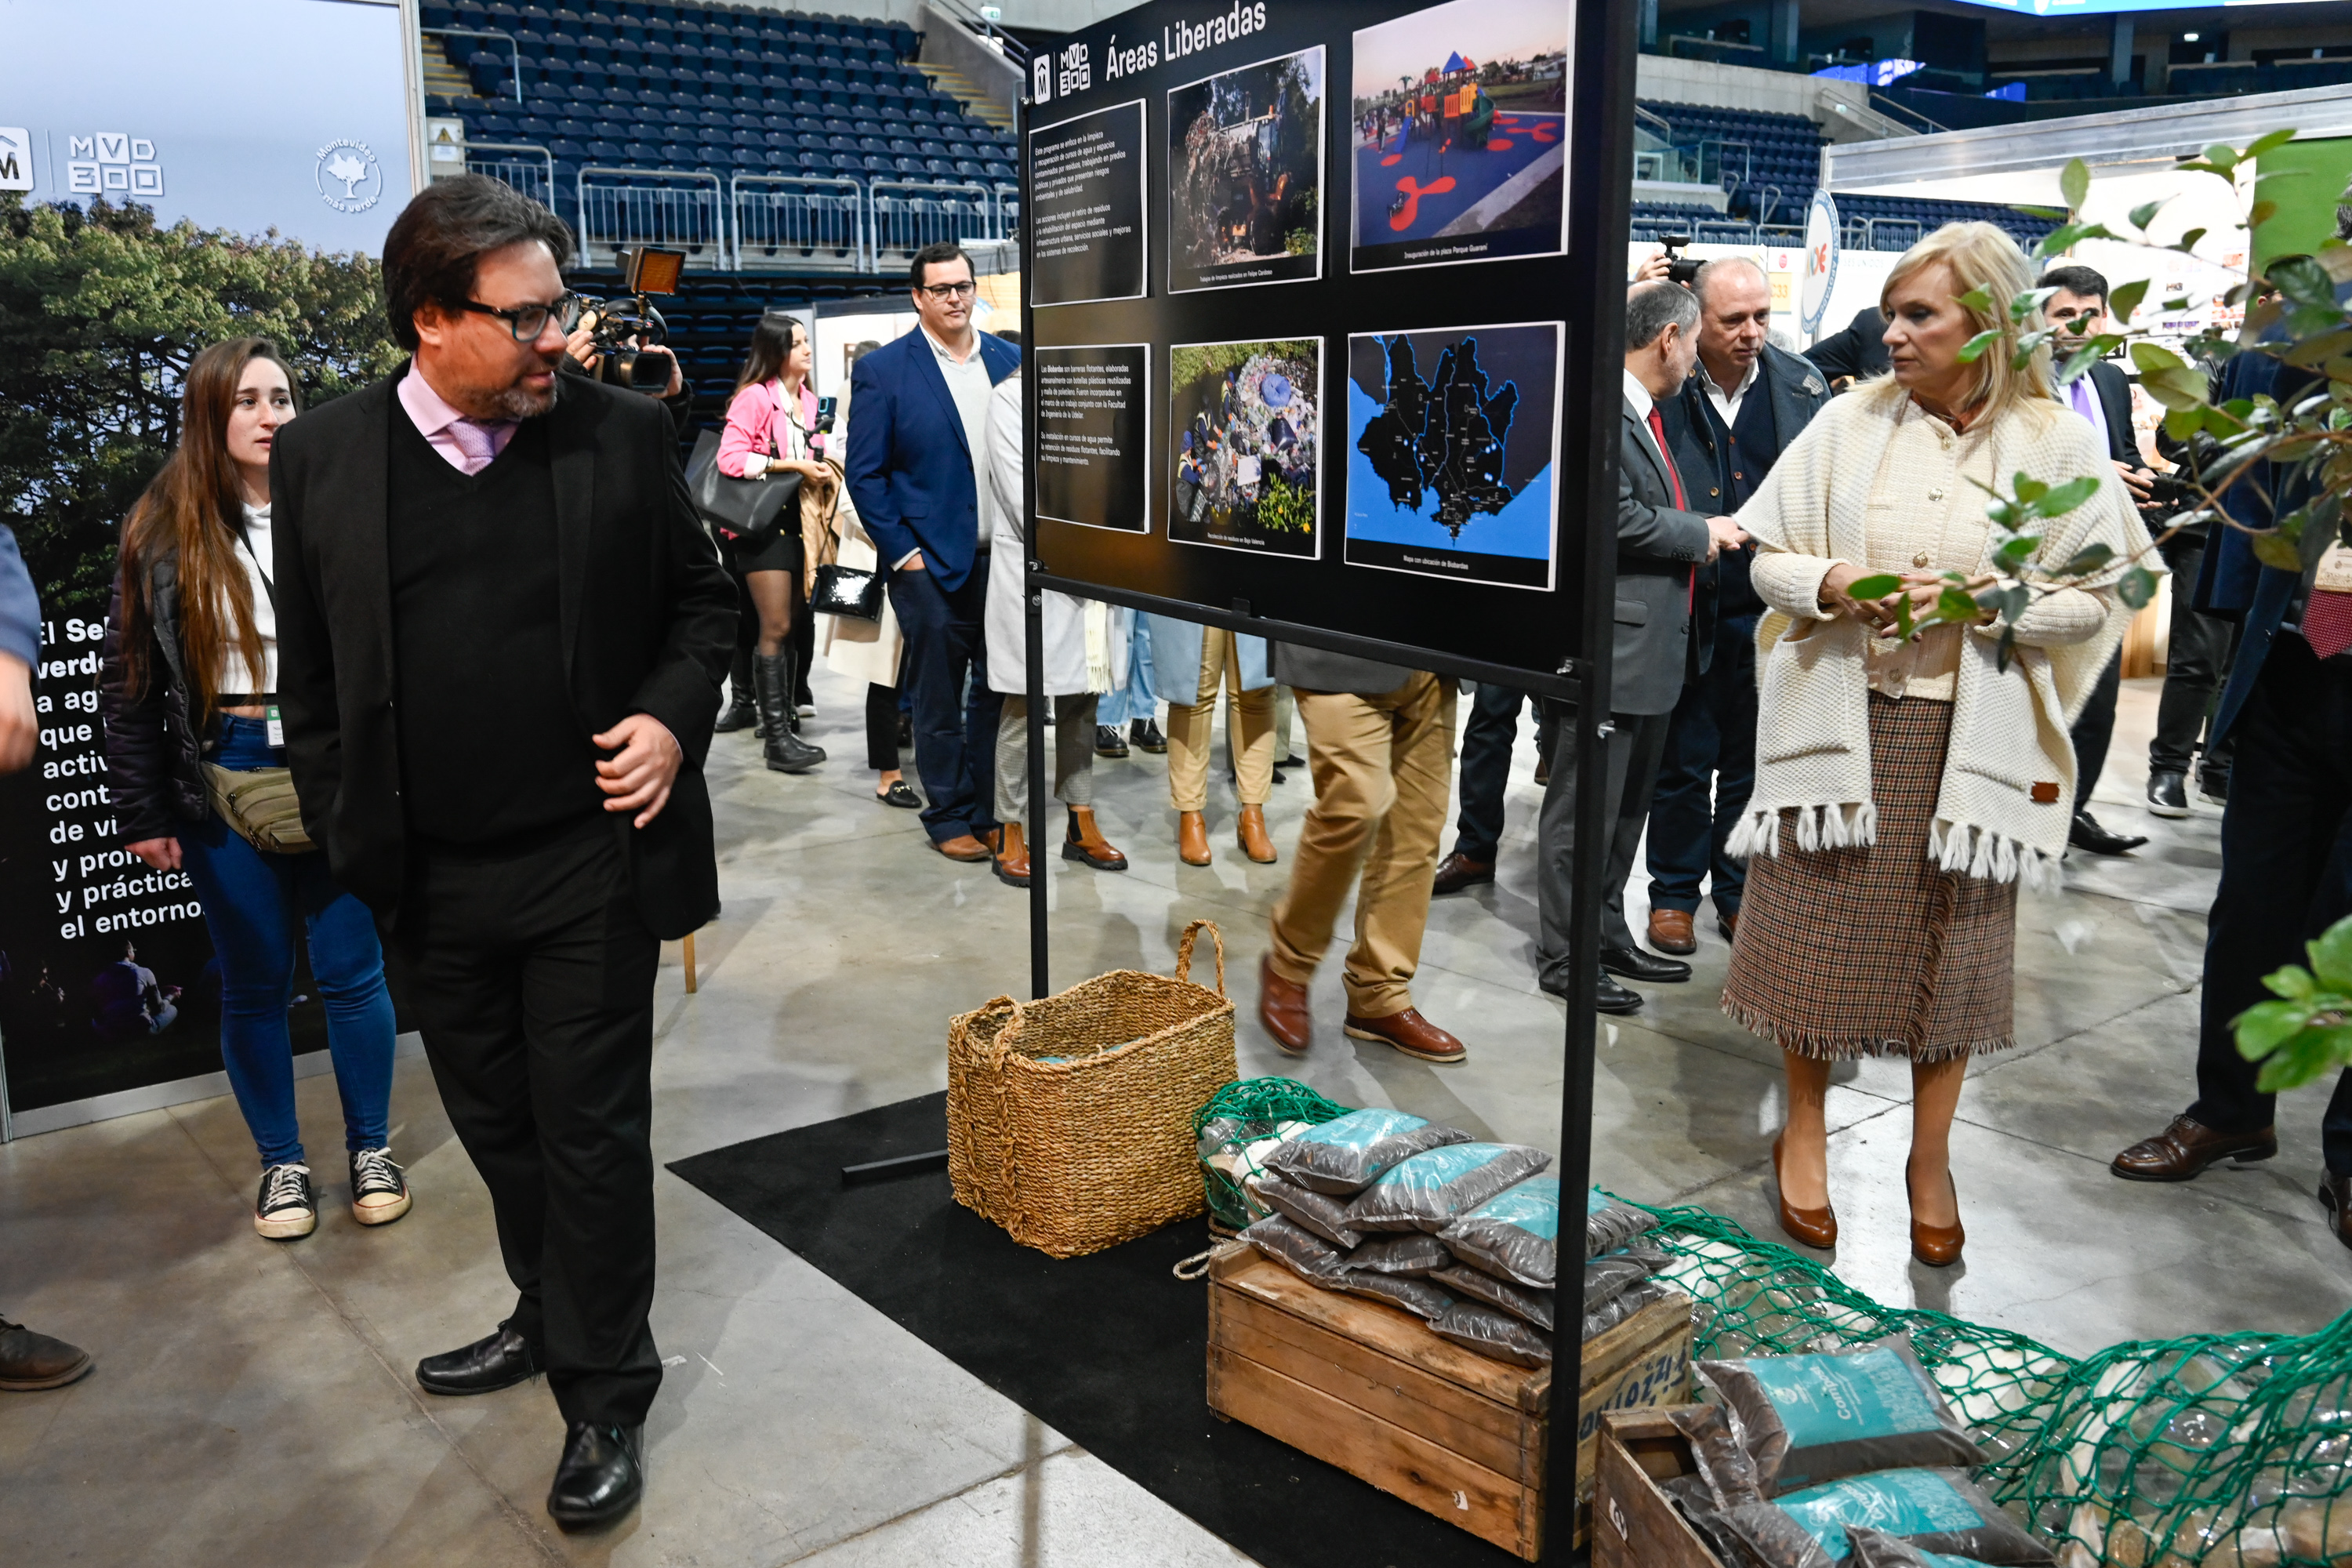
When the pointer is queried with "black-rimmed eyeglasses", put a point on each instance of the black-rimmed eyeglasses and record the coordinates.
(527, 322)
(943, 292)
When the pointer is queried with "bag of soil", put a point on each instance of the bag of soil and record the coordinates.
(1535, 1306)
(1430, 1190)
(1488, 1331)
(1419, 1297)
(1624, 1305)
(1302, 1252)
(1725, 1477)
(1413, 1253)
(1235, 1148)
(1610, 1225)
(1874, 1550)
(1814, 1418)
(1515, 1233)
(1932, 1511)
(1612, 1276)
(1321, 1213)
(1345, 1154)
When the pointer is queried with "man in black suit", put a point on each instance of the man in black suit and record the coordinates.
(1664, 633)
(1856, 354)
(2079, 309)
(501, 634)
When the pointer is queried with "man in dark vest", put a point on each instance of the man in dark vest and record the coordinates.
(1739, 410)
(501, 632)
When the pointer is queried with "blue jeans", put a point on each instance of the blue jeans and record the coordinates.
(251, 904)
(1139, 699)
(1706, 778)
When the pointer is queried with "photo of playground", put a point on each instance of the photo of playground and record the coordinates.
(1245, 175)
(1456, 149)
(1246, 436)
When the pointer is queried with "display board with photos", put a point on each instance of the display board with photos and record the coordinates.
(1311, 293)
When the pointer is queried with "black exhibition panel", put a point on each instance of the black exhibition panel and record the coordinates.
(1323, 321)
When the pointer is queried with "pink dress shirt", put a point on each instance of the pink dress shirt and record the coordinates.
(470, 449)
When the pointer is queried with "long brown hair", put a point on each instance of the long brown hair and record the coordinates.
(771, 345)
(192, 510)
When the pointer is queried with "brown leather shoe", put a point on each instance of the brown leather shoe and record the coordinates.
(1409, 1032)
(1192, 838)
(29, 1360)
(1251, 830)
(1937, 1246)
(1730, 926)
(1012, 865)
(1086, 842)
(1814, 1227)
(1458, 871)
(1670, 931)
(2182, 1151)
(962, 847)
(1282, 1008)
(2336, 1197)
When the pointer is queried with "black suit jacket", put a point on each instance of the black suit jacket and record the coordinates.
(645, 612)
(1860, 351)
(2115, 403)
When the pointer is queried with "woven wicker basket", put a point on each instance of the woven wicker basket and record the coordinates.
(1074, 1155)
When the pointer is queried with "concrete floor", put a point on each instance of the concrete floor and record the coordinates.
(252, 1403)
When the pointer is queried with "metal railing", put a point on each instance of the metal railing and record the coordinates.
(904, 215)
(684, 209)
(1884, 233)
(534, 175)
(982, 20)
(514, 52)
(793, 221)
(1904, 114)
(1008, 212)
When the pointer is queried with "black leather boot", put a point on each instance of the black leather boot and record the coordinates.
(742, 712)
(771, 676)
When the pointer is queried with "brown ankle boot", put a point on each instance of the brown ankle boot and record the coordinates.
(1086, 843)
(1192, 838)
(1012, 865)
(1251, 831)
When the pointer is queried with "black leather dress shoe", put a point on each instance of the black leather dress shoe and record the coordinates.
(2086, 834)
(2336, 1197)
(1639, 963)
(603, 1475)
(1607, 997)
(499, 1360)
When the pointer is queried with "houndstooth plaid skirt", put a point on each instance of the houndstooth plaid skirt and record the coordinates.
(1873, 951)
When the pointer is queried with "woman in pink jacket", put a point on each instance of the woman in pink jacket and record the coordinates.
(770, 425)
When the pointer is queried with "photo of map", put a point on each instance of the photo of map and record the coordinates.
(1453, 443)
(1458, 134)
(1246, 431)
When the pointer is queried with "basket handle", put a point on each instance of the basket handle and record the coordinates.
(1002, 1042)
(1184, 951)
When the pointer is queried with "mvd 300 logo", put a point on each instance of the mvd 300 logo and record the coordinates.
(108, 162)
(349, 178)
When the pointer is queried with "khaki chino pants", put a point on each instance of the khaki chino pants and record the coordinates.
(1191, 725)
(1383, 771)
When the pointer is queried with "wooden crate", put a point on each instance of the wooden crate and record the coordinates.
(1634, 1525)
(1366, 1386)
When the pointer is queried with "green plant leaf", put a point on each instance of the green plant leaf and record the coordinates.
(2261, 213)
(2266, 1025)
(2182, 422)
(2272, 548)
(2126, 299)
(2223, 158)
(2065, 497)
(1955, 605)
(2331, 955)
(2304, 282)
(2292, 982)
(2150, 356)
(2262, 144)
(2074, 182)
(2011, 554)
(1973, 350)
(2006, 650)
(2188, 240)
(1976, 299)
(2087, 560)
(2136, 588)
(2029, 489)
(2305, 1059)
(2142, 215)
(1873, 587)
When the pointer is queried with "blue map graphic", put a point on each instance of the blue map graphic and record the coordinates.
(1444, 436)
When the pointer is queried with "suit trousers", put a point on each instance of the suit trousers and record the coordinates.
(1486, 741)
(1705, 777)
(1382, 768)
(2196, 659)
(1192, 724)
(2286, 875)
(1072, 732)
(1629, 775)
(955, 711)
(531, 977)
(2095, 727)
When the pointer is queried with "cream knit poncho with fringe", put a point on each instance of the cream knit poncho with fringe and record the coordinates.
(2007, 794)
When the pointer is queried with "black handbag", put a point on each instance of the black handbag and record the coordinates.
(748, 508)
(838, 589)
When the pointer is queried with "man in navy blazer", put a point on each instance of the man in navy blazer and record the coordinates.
(917, 435)
(2286, 831)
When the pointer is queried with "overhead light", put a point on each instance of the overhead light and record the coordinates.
(2188, 37)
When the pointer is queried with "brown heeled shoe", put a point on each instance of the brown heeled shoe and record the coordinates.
(1814, 1227)
(1937, 1246)
(1086, 842)
(1012, 857)
(1251, 831)
(1192, 838)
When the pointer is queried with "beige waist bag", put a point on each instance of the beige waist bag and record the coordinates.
(260, 804)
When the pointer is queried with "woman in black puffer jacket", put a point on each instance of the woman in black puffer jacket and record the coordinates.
(190, 662)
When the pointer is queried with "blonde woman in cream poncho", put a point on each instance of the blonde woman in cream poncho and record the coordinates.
(1903, 789)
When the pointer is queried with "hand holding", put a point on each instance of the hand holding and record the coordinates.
(644, 768)
(20, 726)
(1724, 533)
(581, 344)
(160, 854)
(2139, 481)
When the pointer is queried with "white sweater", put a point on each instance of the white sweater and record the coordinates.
(1875, 482)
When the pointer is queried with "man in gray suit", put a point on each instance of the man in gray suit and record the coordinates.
(1661, 543)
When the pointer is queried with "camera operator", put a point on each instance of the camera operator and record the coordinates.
(589, 355)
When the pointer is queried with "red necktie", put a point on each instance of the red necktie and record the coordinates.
(2327, 623)
(1675, 479)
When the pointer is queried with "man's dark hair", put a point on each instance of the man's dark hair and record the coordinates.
(2082, 283)
(945, 251)
(440, 237)
(1652, 308)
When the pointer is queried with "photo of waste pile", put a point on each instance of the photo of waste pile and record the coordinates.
(1246, 434)
(1245, 175)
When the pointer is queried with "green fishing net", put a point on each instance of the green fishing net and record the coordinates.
(2219, 1450)
(1244, 1112)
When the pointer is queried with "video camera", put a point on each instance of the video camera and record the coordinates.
(1680, 269)
(627, 330)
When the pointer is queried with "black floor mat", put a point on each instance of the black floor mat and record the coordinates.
(1109, 1350)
